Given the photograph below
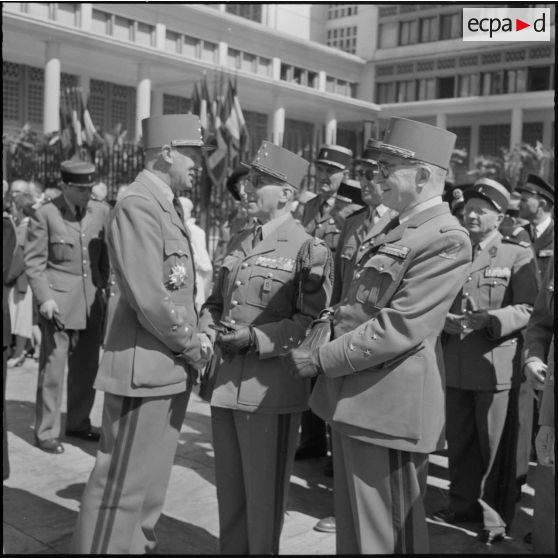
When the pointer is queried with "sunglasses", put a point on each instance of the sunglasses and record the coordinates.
(369, 174)
(257, 180)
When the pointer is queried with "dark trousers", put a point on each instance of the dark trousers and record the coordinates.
(379, 498)
(254, 454)
(124, 496)
(5, 459)
(481, 431)
(80, 350)
(313, 433)
(525, 435)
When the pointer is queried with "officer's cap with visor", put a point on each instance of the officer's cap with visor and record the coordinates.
(78, 173)
(280, 164)
(176, 130)
(491, 191)
(335, 156)
(537, 186)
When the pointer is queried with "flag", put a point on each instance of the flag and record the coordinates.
(205, 104)
(90, 132)
(195, 101)
(234, 123)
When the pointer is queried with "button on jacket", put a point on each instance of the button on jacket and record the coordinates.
(66, 259)
(154, 320)
(271, 288)
(502, 280)
(382, 379)
(320, 225)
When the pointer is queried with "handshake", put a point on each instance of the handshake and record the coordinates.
(234, 340)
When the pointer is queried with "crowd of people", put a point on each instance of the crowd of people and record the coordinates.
(372, 323)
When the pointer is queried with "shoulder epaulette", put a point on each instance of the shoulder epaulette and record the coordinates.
(456, 227)
(513, 240)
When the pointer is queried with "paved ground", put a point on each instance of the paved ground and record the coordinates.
(41, 497)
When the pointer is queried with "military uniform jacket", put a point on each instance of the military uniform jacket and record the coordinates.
(321, 226)
(265, 287)
(353, 233)
(502, 280)
(383, 381)
(543, 246)
(539, 341)
(151, 334)
(67, 260)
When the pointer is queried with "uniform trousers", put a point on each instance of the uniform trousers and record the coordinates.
(80, 350)
(124, 496)
(379, 498)
(254, 456)
(544, 511)
(525, 436)
(313, 430)
(481, 431)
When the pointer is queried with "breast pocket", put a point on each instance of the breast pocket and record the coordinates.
(374, 278)
(493, 289)
(270, 288)
(176, 263)
(60, 248)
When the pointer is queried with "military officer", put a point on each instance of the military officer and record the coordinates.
(379, 382)
(536, 205)
(67, 266)
(538, 365)
(152, 349)
(273, 282)
(482, 348)
(331, 166)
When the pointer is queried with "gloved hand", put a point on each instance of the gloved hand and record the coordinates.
(206, 352)
(302, 363)
(239, 341)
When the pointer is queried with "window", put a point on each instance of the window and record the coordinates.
(100, 22)
(492, 83)
(428, 29)
(172, 42)
(516, 80)
(406, 91)
(493, 138)
(252, 12)
(330, 85)
(408, 32)
(532, 132)
(286, 72)
(385, 93)
(313, 79)
(468, 85)
(233, 58)
(248, 62)
(450, 26)
(264, 66)
(122, 28)
(538, 78)
(426, 89)
(172, 104)
(144, 34)
(67, 13)
(190, 46)
(299, 76)
(446, 87)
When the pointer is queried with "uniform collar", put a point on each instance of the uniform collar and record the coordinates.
(271, 226)
(406, 215)
(164, 188)
(484, 243)
(542, 226)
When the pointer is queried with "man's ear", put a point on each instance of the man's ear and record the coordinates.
(166, 154)
(500, 218)
(287, 194)
(423, 176)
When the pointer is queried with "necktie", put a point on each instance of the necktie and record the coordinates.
(476, 250)
(533, 231)
(257, 235)
(79, 213)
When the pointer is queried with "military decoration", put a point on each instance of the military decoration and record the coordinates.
(177, 277)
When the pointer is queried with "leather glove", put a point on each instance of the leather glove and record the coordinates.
(237, 342)
(302, 363)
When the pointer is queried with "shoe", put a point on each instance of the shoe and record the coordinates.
(326, 525)
(528, 538)
(87, 435)
(308, 452)
(52, 445)
(492, 536)
(328, 468)
(449, 516)
(16, 361)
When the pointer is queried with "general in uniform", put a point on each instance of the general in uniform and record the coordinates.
(152, 348)
(379, 383)
(67, 265)
(539, 369)
(482, 353)
(270, 287)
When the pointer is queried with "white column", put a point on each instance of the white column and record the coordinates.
(331, 127)
(516, 127)
(86, 16)
(143, 97)
(160, 35)
(276, 68)
(441, 120)
(474, 147)
(222, 54)
(278, 123)
(85, 84)
(51, 95)
(368, 131)
(322, 79)
(157, 102)
(547, 133)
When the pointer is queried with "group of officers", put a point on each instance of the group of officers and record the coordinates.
(399, 328)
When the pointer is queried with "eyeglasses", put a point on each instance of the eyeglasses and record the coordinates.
(387, 168)
(257, 180)
(369, 174)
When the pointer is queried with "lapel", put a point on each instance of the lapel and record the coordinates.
(270, 242)
(485, 256)
(67, 214)
(154, 190)
(545, 239)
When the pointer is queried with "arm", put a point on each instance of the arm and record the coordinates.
(35, 256)
(137, 255)
(417, 310)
